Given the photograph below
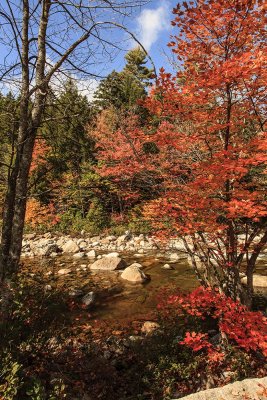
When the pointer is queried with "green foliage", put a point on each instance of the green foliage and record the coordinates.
(65, 130)
(136, 65)
(122, 89)
(10, 380)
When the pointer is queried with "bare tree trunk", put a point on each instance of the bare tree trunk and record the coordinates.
(16, 200)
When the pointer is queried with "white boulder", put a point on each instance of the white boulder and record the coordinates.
(108, 264)
(134, 274)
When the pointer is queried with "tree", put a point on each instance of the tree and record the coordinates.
(136, 65)
(123, 89)
(65, 129)
(211, 141)
(46, 39)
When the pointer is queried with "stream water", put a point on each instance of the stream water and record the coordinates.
(116, 299)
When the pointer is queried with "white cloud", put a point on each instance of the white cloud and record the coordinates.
(87, 87)
(151, 22)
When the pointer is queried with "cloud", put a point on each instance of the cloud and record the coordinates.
(151, 22)
(87, 87)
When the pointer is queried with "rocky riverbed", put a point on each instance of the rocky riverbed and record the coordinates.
(115, 277)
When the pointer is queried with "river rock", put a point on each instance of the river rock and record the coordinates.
(79, 255)
(108, 264)
(75, 292)
(82, 244)
(134, 274)
(91, 254)
(114, 254)
(64, 271)
(30, 236)
(149, 327)
(259, 281)
(50, 249)
(70, 247)
(174, 256)
(89, 299)
(167, 266)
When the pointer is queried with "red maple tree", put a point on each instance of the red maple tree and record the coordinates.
(208, 126)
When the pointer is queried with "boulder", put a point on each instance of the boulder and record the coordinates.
(259, 281)
(247, 389)
(70, 247)
(82, 244)
(108, 264)
(149, 327)
(136, 264)
(134, 274)
(30, 236)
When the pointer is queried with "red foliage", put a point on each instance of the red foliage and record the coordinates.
(209, 126)
(244, 328)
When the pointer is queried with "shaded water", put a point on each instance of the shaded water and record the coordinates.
(116, 299)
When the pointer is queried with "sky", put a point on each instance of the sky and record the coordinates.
(151, 25)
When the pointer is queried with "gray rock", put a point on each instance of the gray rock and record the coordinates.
(50, 249)
(70, 247)
(79, 255)
(30, 236)
(136, 264)
(174, 256)
(91, 254)
(82, 244)
(108, 264)
(246, 389)
(89, 299)
(75, 292)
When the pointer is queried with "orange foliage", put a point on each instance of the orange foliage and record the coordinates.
(39, 154)
(38, 214)
(211, 135)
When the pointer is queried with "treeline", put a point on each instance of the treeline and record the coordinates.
(66, 191)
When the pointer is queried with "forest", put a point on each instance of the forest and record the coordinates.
(133, 254)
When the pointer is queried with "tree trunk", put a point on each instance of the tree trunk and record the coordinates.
(16, 198)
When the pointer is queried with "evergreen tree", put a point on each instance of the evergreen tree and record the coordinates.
(136, 65)
(121, 90)
(65, 130)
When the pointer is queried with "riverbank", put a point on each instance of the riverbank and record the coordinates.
(50, 244)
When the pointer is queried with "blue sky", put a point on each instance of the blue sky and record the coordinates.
(152, 26)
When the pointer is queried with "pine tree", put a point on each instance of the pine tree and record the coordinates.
(136, 60)
(122, 90)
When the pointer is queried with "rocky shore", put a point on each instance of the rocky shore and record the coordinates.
(51, 245)
(105, 252)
